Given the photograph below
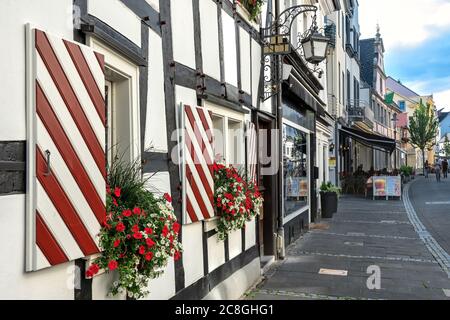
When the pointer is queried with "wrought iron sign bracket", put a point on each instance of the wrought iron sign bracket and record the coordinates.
(277, 42)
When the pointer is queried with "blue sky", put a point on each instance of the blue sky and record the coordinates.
(416, 34)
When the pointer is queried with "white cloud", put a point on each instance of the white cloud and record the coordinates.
(404, 23)
(442, 99)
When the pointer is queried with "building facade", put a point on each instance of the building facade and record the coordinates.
(98, 78)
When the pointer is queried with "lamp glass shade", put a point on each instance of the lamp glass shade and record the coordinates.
(315, 48)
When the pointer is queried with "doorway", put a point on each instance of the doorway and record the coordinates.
(267, 183)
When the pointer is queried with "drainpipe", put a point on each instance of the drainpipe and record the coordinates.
(279, 107)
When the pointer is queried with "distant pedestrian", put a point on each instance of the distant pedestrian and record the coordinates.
(437, 169)
(426, 169)
(445, 168)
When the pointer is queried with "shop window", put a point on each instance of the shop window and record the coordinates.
(295, 170)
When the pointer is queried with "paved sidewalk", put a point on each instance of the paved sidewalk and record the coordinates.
(363, 233)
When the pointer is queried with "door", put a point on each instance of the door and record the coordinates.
(66, 150)
(267, 183)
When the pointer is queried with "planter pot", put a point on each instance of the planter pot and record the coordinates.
(329, 203)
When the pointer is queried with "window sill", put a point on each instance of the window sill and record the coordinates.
(244, 14)
(294, 215)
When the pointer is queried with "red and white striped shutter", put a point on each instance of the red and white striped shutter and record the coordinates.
(198, 160)
(252, 159)
(68, 149)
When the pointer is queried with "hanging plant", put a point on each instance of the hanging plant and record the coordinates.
(236, 200)
(254, 7)
(138, 235)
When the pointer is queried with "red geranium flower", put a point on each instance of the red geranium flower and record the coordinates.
(137, 211)
(176, 227)
(116, 243)
(149, 256)
(135, 228)
(141, 250)
(120, 227)
(115, 202)
(150, 243)
(167, 197)
(165, 231)
(126, 213)
(137, 235)
(117, 192)
(148, 230)
(112, 265)
(177, 255)
(92, 270)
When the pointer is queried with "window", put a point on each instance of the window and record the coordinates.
(122, 100)
(356, 91)
(349, 102)
(339, 88)
(343, 87)
(402, 105)
(229, 140)
(295, 169)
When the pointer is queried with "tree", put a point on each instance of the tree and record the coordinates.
(447, 147)
(423, 127)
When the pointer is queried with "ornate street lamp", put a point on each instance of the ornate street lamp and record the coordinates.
(315, 47)
(277, 41)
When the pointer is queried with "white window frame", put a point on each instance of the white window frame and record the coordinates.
(295, 214)
(226, 114)
(125, 68)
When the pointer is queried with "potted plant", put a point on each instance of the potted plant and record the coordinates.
(329, 199)
(250, 9)
(139, 234)
(237, 200)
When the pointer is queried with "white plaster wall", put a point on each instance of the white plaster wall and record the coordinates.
(185, 96)
(118, 16)
(101, 285)
(256, 69)
(216, 253)
(210, 38)
(235, 243)
(51, 283)
(229, 49)
(158, 182)
(154, 4)
(192, 252)
(250, 234)
(245, 57)
(183, 32)
(15, 14)
(163, 288)
(156, 130)
(237, 284)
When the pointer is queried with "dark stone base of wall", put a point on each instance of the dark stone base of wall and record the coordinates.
(12, 167)
(294, 228)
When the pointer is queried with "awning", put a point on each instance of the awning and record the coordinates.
(369, 139)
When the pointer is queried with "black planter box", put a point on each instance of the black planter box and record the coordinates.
(329, 203)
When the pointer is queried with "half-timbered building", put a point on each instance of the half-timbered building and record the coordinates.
(85, 80)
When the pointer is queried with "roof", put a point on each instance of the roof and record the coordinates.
(400, 88)
(443, 115)
(367, 57)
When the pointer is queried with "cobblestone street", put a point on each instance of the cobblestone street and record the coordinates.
(362, 234)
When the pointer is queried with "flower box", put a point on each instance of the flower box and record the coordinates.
(244, 14)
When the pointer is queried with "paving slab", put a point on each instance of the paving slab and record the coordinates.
(363, 234)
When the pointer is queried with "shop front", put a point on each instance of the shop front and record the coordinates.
(298, 167)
